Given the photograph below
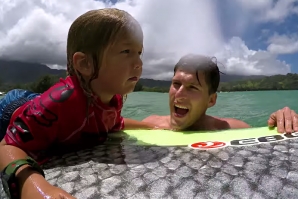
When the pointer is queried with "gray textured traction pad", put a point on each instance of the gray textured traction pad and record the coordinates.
(114, 171)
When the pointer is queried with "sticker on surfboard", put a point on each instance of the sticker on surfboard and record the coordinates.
(207, 145)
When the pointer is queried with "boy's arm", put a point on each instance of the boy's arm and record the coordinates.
(126, 123)
(33, 128)
(130, 124)
(31, 183)
(237, 124)
(9, 153)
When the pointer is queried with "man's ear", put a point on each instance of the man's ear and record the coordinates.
(82, 64)
(212, 100)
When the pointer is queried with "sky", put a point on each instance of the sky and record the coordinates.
(257, 37)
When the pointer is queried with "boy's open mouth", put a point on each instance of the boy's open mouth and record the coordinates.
(180, 111)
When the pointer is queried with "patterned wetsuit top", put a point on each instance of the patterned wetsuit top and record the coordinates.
(57, 120)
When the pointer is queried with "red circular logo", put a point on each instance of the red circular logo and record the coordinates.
(208, 145)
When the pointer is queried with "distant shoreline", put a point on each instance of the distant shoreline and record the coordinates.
(222, 91)
(259, 90)
(271, 83)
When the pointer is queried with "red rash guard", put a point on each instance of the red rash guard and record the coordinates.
(57, 120)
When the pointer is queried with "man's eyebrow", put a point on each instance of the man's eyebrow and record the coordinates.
(196, 83)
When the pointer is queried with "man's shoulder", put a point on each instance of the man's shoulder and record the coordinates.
(235, 123)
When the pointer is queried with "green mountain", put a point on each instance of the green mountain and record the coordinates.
(19, 73)
(275, 82)
(15, 72)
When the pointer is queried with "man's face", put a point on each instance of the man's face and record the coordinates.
(189, 98)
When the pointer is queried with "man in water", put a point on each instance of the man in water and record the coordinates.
(193, 91)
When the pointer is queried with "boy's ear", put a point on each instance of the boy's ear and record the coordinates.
(82, 64)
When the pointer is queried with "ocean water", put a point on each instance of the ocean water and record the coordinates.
(252, 107)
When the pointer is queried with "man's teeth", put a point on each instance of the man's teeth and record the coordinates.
(182, 107)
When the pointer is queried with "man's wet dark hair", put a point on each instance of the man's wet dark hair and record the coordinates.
(201, 63)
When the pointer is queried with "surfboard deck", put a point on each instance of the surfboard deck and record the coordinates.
(254, 163)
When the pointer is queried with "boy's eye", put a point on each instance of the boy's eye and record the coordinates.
(125, 51)
(140, 52)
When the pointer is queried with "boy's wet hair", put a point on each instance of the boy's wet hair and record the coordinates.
(93, 33)
(200, 63)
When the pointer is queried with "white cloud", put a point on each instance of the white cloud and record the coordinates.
(239, 59)
(36, 30)
(283, 44)
(268, 10)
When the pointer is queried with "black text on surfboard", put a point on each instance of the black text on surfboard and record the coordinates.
(243, 142)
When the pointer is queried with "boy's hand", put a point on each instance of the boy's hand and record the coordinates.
(48, 191)
(34, 186)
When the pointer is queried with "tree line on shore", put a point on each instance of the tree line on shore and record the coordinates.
(276, 82)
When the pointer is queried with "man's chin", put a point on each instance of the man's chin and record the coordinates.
(178, 125)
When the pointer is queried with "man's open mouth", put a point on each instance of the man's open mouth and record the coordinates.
(180, 111)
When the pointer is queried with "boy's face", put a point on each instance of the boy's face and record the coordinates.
(120, 70)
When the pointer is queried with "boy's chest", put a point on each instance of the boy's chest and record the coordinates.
(94, 129)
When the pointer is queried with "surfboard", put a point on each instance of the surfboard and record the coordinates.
(246, 163)
(234, 137)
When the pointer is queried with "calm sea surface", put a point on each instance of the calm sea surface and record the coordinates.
(252, 107)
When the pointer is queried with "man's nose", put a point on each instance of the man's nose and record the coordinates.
(181, 93)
